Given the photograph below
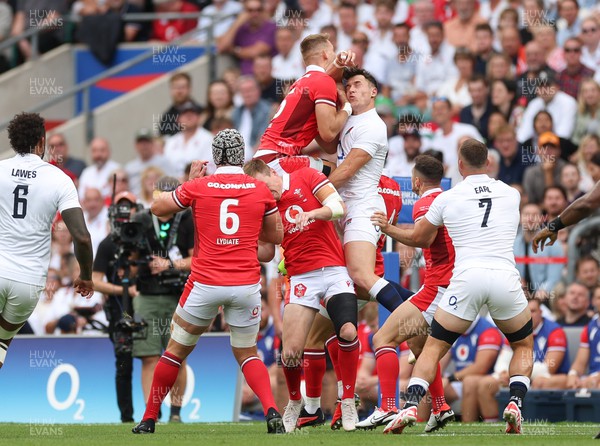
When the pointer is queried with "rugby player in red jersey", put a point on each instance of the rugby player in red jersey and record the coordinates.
(413, 317)
(232, 211)
(315, 264)
(309, 111)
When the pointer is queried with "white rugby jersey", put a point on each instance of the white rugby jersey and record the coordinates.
(367, 132)
(482, 216)
(31, 192)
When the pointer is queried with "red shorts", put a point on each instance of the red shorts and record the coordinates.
(427, 299)
(281, 162)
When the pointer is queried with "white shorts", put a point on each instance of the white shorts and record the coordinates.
(472, 288)
(241, 304)
(18, 300)
(309, 289)
(357, 225)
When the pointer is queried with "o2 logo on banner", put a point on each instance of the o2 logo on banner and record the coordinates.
(190, 384)
(71, 399)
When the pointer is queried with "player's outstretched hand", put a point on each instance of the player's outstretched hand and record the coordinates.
(302, 219)
(198, 169)
(345, 59)
(381, 220)
(84, 287)
(540, 239)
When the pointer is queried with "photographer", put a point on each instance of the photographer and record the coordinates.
(108, 272)
(160, 281)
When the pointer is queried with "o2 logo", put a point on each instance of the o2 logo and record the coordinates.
(190, 384)
(453, 302)
(71, 399)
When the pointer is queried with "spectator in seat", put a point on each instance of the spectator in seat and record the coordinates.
(148, 180)
(588, 355)
(252, 117)
(510, 41)
(513, 162)
(570, 179)
(168, 30)
(577, 302)
(191, 143)
(587, 273)
(478, 112)
(554, 201)
(348, 25)
(287, 64)
(433, 70)
(131, 31)
(553, 54)
(219, 103)
(569, 24)
(587, 121)
(460, 30)
(96, 175)
(484, 39)
(118, 181)
(399, 78)
(146, 157)
(96, 216)
(59, 155)
(474, 354)
(317, 14)
(499, 67)
(542, 123)
(590, 35)
(403, 149)
(547, 171)
(571, 78)
(251, 35)
(504, 100)
(270, 88)
(551, 363)
(218, 9)
(456, 88)
(495, 123)
(539, 277)
(528, 81)
(180, 88)
(588, 147)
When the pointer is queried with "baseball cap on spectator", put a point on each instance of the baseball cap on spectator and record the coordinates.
(548, 138)
(126, 195)
(385, 106)
(67, 323)
(188, 106)
(144, 134)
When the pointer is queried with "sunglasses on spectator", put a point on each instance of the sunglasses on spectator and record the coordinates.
(254, 9)
(573, 50)
(589, 30)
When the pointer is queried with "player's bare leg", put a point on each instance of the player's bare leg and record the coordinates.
(470, 398)
(177, 393)
(518, 332)
(7, 334)
(297, 320)
(360, 261)
(446, 328)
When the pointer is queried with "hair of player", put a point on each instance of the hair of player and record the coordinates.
(437, 154)
(25, 131)
(181, 75)
(255, 167)
(429, 168)
(474, 153)
(351, 72)
(312, 43)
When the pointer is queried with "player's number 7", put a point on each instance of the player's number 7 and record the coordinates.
(487, 203)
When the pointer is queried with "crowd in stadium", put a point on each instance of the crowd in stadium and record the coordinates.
(521, 76)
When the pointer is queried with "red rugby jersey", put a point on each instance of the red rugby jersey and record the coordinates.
(228, 209)
(439, 257)
(294, 125)
(318, 245)
(392, 196)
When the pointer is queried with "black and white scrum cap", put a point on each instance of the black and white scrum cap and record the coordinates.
(228, 148)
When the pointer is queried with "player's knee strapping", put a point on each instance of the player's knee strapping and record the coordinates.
(178, 334)
(342, 309)
(439, 332)
(243, 337)
(520, 334)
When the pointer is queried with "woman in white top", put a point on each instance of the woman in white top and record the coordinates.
(456, 88)
(589, 146)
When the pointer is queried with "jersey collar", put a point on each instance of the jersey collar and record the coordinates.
(286, 182)
(228, 169)
(539, 327)
(315, 68)
(477, 178)
(431, 191)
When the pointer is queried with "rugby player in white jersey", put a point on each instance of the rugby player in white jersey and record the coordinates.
(481, 216)
(32, 191)
(362, 149)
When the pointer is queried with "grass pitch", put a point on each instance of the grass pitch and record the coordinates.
(250, 434)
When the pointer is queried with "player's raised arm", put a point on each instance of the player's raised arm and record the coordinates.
(342, 59)
(82, 242)
(333, 207)
(356, 159)
(272, 229)
(421, 236)
(578, 210)
(169, 203)
(330, 120)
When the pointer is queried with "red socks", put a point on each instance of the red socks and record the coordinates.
(388, 369)
(293, 376)
(348, 363)
(314, 371)
(333, 349)
(165, 374)
(257, 377)
(436, 389)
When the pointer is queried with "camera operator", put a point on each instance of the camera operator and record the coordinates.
(160, 282)
(108, 276)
